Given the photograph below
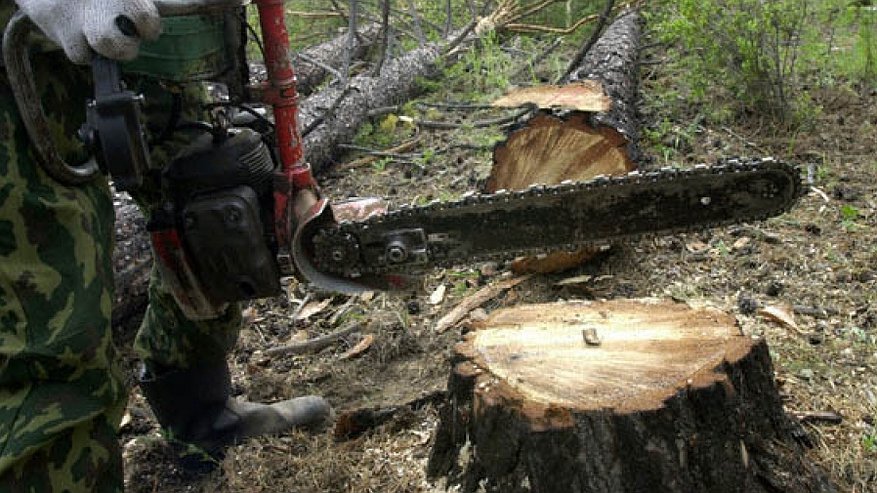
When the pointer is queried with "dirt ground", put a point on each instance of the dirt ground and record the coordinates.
(819, 261)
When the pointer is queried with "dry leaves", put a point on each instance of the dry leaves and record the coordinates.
(781, 314)
(312, 308)
(360, 347)
(438, 295)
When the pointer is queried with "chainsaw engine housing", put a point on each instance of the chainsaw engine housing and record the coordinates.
(218, 204)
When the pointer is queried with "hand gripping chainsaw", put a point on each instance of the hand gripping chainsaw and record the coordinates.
(240, 209)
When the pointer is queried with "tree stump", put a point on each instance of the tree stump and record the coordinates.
(617, 396)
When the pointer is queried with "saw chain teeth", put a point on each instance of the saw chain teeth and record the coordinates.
(338, 244)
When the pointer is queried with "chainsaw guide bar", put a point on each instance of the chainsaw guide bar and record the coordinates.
(568, 216)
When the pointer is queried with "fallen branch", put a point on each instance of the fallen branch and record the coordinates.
(352, 424)
(492, 122)
(349, 106)
(315, 344)
(481, 297)
(375, 155)
(818, 417)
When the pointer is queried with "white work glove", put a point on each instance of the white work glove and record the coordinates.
(80, 26)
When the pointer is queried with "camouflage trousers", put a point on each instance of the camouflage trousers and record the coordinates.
(61, 392)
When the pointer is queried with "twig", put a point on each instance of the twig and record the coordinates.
(598, 30)
(385, 42)
(814, 311)
(342, 310)
(459, 39)
(530, 108)
(314, 344)
(537, 59)
(316, 14)
(300, 307)
(351, 41)
(320, 64)
(484, 295)
(383, 110)
(418, 29)
(818, 417)
(456, 106)
(449, 19)
(374, 155)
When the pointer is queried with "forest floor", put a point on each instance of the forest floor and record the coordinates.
(818, 263)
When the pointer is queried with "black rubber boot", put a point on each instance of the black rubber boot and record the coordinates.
(195, 406)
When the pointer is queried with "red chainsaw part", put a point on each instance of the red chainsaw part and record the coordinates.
(178, 272)
(280, 93)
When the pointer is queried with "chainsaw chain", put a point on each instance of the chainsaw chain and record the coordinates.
(342, 237)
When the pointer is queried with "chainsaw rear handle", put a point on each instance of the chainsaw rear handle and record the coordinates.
(21, 79)
(19, 72)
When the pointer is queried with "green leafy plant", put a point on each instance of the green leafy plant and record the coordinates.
(849, 214)
(869, 442)
(749, 48)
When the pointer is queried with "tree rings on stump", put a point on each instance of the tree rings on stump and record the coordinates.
(617, 396)
(549, 150)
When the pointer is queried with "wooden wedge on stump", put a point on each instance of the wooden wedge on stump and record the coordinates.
(617, 396)
(586, 127)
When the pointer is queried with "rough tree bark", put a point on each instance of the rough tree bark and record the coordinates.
(617, 396)
(569, 140)
(309, 75)
(348, 106)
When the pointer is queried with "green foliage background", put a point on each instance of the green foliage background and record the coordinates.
(760, 56)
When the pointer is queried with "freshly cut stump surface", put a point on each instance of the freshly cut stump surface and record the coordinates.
(617, 396)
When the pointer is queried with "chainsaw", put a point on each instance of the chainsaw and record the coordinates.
(240, 210)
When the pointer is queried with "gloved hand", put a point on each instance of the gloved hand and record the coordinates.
(80, 26)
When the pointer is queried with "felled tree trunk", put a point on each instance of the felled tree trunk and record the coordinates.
(618, 396)
(310, 63)
(344, 110)
(587, 127)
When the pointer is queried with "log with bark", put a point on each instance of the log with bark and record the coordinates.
(333, 116)
(311, 63)
(617, 396)
(586, 127)
(342, 110)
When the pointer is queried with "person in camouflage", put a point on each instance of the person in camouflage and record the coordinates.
(61, 393)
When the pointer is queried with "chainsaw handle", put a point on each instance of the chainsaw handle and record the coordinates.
(20, 74)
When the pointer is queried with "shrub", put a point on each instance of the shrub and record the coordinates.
(747, 49)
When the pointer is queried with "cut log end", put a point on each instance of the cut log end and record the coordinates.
(646, 353)
(618, 396)
(550, 149)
